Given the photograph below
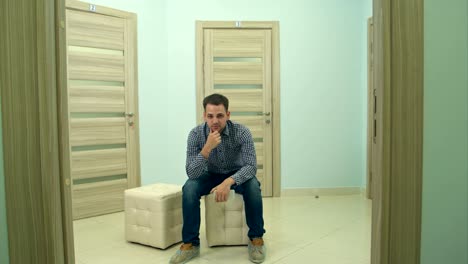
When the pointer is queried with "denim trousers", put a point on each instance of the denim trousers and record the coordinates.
(194, 189)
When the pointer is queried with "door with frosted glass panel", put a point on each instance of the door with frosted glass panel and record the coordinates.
(237, 64)
(102, 103)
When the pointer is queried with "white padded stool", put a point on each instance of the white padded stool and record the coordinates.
(153, 215)
(225, 221)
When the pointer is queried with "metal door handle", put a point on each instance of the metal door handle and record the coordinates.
(266, 114)
(129, 114)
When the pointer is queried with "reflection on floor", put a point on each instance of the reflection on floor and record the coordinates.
(305, 229)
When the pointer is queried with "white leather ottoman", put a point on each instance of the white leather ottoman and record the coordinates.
(225, 222)
(153, 215)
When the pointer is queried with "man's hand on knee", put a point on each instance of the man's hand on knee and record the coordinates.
(221, 191)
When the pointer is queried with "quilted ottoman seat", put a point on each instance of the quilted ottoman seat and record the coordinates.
(225, 221)
(153, 215)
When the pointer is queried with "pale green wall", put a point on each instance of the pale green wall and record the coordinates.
(3, 224)
(367, 9)
(323, 84)
(445, 173)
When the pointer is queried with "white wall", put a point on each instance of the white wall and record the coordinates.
(323, 84)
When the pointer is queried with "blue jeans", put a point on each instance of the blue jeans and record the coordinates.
(193, 190)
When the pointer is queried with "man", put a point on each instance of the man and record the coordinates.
(220, 157)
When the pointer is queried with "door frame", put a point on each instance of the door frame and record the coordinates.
(398, 80)
(34, 187)
(275, 82)
(63, 126)
(370, 107)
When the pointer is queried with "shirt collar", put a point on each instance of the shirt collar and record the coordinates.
(226, 129)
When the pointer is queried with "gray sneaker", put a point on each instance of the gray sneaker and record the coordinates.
(257, 250)
(186, 253)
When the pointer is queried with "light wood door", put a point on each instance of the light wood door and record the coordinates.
(102, 103)
(238, 64)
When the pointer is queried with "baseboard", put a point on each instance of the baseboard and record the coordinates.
(321, 191)
(364, 191)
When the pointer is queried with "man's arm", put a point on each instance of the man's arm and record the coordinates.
(195, 164)
(197, 159)
(247, 172)
(247, 152)
(213, 140)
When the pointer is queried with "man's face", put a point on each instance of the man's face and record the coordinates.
(216, 117)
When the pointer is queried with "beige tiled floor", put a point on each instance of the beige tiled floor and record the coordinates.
(305, 229)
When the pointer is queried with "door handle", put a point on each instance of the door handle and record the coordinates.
(267, 114)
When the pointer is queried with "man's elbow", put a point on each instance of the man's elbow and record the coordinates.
(191, 174)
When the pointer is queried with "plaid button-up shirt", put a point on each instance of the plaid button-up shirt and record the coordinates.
(235, 153)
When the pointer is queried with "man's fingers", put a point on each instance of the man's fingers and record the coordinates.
(220, 197)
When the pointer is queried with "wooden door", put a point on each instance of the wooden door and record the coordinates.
(102, 103)
(237, 62)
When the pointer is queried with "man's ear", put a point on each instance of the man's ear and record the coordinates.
(228, 115)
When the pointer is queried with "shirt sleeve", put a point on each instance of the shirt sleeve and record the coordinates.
(196, 164)
(249, 158)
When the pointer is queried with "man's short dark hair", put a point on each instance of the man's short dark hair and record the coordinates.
(216, 99)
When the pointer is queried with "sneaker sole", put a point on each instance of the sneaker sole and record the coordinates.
(197, 255)
(256, 261)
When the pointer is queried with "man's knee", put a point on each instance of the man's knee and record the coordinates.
(252, 187)
(190, 188)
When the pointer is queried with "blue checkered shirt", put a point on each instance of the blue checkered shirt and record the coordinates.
(235, 153)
